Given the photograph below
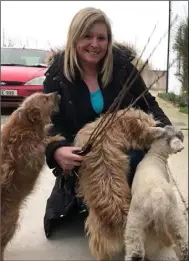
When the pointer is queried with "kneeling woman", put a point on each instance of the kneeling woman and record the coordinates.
(88, 74)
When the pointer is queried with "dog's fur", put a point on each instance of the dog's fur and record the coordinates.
(102, 177)
(23, 142)
(155, 220)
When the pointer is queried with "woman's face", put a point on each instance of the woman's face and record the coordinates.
(93, 46)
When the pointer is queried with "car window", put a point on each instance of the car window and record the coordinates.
(23, 57)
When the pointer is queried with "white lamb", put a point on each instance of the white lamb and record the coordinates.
(155, 222)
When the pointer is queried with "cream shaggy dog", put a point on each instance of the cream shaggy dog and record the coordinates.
(155, 220)
(102, 177)
(23, 142)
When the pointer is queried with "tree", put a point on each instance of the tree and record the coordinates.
(7, 41)
(180, 46)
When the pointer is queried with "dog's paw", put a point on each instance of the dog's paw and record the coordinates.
(156, 132)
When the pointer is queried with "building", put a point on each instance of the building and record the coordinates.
(150, 76)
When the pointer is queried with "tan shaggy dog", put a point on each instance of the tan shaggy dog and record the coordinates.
(23, 142)
(102, 177)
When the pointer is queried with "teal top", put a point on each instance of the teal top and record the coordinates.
(97, 101)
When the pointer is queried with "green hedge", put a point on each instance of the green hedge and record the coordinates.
(180, 47)
(179, 100)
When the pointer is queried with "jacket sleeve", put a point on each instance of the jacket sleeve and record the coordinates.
(51, 86)
(146, 100)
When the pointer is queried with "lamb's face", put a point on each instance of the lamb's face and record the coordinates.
(40, 106)
(169, 138)
(171, 131)
(174, 138)
(176, 145)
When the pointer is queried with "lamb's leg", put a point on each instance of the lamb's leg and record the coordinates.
(135, 236)
(179, 232)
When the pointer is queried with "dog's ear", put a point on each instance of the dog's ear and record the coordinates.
(34, 114)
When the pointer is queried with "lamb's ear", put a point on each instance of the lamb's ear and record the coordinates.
(176, 145)
(173, 131)
(34, 114)
(156, 132)
(180, 135)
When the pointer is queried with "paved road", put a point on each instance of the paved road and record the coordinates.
(68, 241)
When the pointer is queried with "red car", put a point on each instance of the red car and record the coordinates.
(22, 73)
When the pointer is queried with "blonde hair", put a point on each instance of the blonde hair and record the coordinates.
(80, 24)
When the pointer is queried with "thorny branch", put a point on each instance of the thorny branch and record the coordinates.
(100, 128)
(95, 142)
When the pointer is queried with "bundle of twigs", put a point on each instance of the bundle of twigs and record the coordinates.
(101, 128)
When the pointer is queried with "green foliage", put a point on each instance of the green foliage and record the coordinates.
(184, 110)
(179, 100)
(181, 48)
(167, 96)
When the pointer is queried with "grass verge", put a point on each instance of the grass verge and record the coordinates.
(177, 100)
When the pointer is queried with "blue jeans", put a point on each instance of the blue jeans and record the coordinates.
(135, 157)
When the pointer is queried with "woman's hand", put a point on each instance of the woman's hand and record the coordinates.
(66, 159)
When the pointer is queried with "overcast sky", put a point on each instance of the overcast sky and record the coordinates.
(45, 24)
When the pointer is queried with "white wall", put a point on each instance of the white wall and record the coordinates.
(174, 84)
(179, 8)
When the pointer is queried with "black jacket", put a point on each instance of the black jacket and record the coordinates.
(75, 107)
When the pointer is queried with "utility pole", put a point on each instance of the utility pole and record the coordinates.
(4, 44)
(168, 46)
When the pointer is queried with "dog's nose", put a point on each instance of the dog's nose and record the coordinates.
(56, 96)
